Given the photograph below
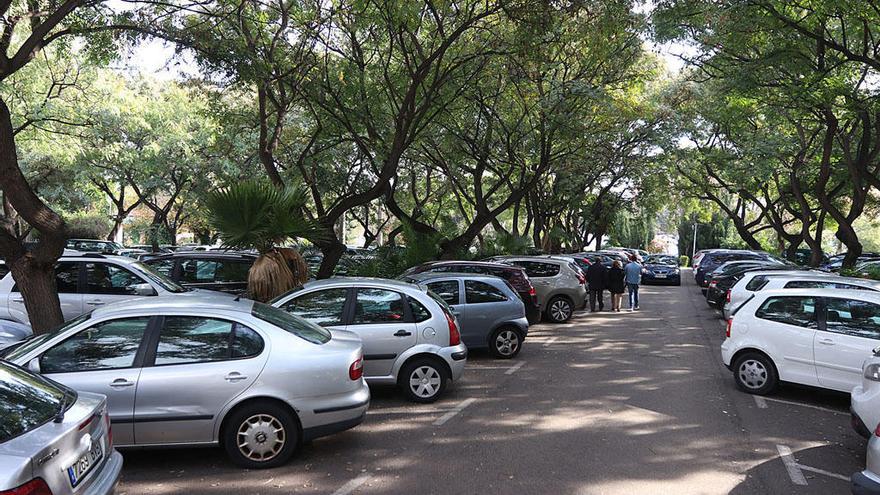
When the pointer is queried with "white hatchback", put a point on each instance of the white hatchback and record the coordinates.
(816, 337)
(865, 405)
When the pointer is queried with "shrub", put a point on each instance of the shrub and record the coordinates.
(88, 226)
(683, 261)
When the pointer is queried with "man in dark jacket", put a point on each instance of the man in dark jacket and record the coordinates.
(597, 278)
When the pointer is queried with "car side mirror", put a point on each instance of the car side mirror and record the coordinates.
(34, 365)
(144, 290)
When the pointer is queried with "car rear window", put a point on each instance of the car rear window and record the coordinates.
(757, 283)
(28, 401)
(538, 269)
(300, 327)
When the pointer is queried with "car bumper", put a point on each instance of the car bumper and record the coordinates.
(456, 358)
(864, 417)
(328, 414)
(727, 352)
(105, 483)
(865, 483)
(654, 280)
(858, 424)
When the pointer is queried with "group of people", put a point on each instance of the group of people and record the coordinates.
(617, 280)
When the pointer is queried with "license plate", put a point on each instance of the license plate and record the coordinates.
(659, 275)
(86, 463)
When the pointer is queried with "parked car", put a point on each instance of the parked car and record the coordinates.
(560, 285)
(12, 332)
(86, 281)
(816, 337)
(759, 280)
(865, 398)
(53, 440)
(661, 269)
(489, 312)
(94, 246)
(867, 482)
(411, 337)
(208, 370)
(715, 258)
(834, 263)
(132, 253)
(213, 270)
(515, 276)
(725, 276)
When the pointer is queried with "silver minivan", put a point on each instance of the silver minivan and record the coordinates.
(203, 371)
(559, 282)
(411, 337)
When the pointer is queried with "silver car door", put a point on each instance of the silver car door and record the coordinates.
(102, 359)
(107, 283)
(379, 318)
(67, 281)
(484, 305)
(192, 375)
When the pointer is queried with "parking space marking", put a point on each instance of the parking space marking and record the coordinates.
(352, 485)
(515, 367)
(791, 465)
(760, 402)
(550, 341)
(792, 403)
(823, 472)
(451, 414)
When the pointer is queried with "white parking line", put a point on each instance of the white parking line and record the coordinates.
(515, 367)
(791, 403)
(550, 341)
(760, 402)
(451, 414)
(791, 465)
(826, 473)
(352, 485)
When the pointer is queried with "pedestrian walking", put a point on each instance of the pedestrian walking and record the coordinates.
(596, 279)
(616, 285)
(633, 272)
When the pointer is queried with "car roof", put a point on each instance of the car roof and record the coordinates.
(870, 296)
(543, 257)
(203, 254)
(71, 255)
(831, 277)
(426, 276)
(165, 303)
(363, 281)
(465, 262)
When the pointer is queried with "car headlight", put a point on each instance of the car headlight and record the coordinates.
(872, 372)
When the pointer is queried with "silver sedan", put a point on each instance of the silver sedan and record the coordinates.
(207, 371)
(53, 439)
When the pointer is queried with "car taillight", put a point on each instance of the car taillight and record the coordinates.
(33, 487)
(109, 428)
(582, 279)
(712, 284)
(532, 291)
(454, 336)
(729, 324)
(877, 430)
(727, 297)
(356, 370)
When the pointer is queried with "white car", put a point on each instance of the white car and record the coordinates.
(756, 281)
(816, 337)
(86, 281)
(865, 399)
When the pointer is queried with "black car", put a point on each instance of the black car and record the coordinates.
(714, 259)
(213, 270)
(661, 269)
(722, 282)
(515, 276)
(835, 262)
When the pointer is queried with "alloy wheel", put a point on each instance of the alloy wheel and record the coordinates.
(560, 310)
(261, 437)
(507, 342)
(752, 374)
(425, 381)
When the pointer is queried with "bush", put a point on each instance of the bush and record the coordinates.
(684, 261)
(870, 272)
(88, 226)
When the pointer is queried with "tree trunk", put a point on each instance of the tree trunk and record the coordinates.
(36, 282)
(332, 251)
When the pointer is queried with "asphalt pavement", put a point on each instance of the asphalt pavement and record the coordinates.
(608, 403)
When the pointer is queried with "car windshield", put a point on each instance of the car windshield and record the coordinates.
(28, 401)
(300, 327)
(23, 348)
(662, 260)
(159, 279)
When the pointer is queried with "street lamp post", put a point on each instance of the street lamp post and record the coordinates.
(694, 252)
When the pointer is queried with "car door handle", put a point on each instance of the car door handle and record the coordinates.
(826, 341)
(17, 300)
(121, 383)
(95, 302)
(402, 333)
(235, 377)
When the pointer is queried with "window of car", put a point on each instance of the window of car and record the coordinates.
(447, 289)
(158, 278)
(197, 271)
(165, 267)
(805, 284)
(476, 292)
(28, 401)
(292, 324)
(419, 311)
(196, 339)
(378, 306)
(104, 278)
(539, 269)
(232, 271)
(66, 278)
(853, 317)
(111, 344)
(792, 310)
(323, 307)
(757, 283)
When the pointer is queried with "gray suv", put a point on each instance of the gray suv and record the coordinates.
(410, 336)
(559, 282)
(490, 312)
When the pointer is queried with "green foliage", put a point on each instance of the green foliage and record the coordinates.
(88, 226)
(684, 261)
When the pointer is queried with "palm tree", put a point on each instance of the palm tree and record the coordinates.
(257, 215)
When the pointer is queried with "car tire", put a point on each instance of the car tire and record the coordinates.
(559, 309)
(755, 373)
(505, 342)
(269, 435)
(423, 380)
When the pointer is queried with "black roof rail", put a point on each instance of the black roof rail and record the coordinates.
(93, 255)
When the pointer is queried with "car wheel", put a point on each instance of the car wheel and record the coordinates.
(505, 342)
(559, 310)
(423, 380)
(260, 435)
(754, 373)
